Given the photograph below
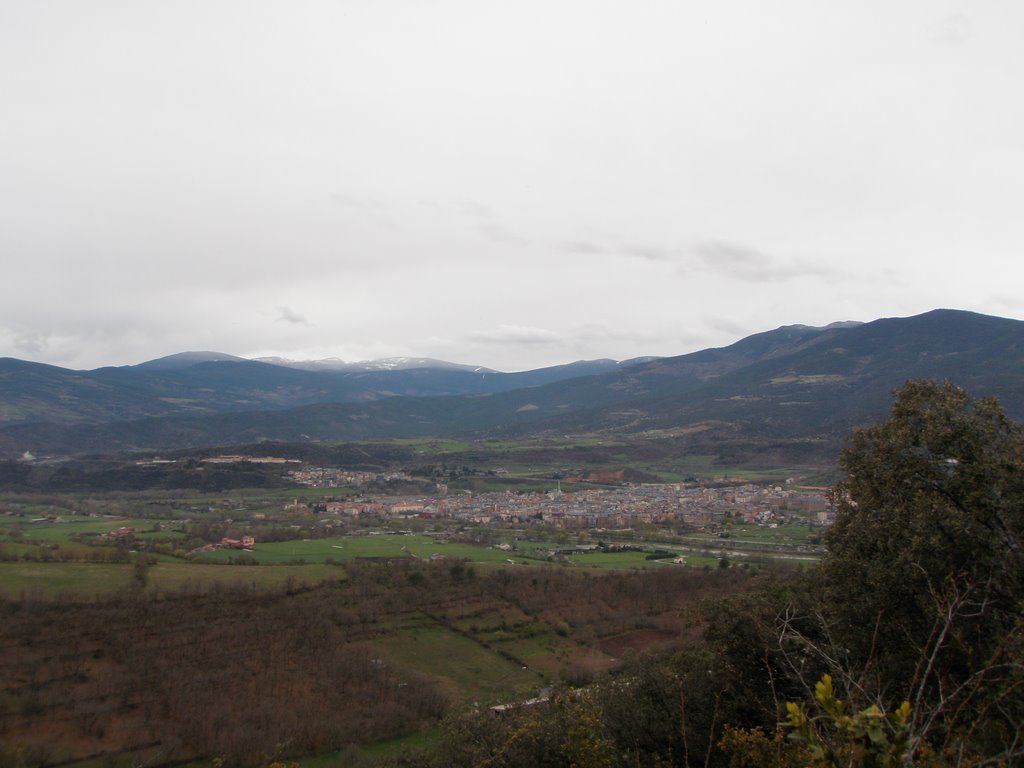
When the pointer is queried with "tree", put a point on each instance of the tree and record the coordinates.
(140, 570)
(925, 567)
(564, 731)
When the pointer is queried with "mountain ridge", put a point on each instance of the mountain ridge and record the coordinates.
(794, 383)
(197, 383)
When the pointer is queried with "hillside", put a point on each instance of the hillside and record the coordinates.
(834, 380)
(793, 383)
(206, 383)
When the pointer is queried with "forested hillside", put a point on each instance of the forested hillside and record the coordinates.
(794, 384)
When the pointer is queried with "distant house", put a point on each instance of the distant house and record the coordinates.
(246, 542)
(406, 508)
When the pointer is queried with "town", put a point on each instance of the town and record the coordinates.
(695, 506)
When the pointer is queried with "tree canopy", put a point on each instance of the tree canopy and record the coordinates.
(924, 574)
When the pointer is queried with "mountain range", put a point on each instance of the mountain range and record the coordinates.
(195, 383)
(794, 383)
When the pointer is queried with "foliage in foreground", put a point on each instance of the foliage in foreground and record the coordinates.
(835, 738)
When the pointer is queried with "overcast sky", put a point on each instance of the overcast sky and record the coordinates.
(510, 184)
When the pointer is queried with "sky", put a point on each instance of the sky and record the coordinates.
(508, 184)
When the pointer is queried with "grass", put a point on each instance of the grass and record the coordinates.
(343, 548)
(90, 579)
(785, 534)
(306, 561)
(150, 535)
(539, 645)
(614, 560)
(40, 550)
(62, 532)
(521, 460)
(472, 672)
(439, 445)
(85, 579)
(393, 747)
(368, 754)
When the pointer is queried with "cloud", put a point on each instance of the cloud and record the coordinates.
(650, 253)
(722, 324)
(1005, 303)
(520, 335)
(604, 333)
(477, 210)
(585, 247)
(952, 30)
(740, 262)
(721, 254)
(488, 225)
(719, 257)
(289, 315)
(380, 213)
(31, 342)
(502, 235)
(634, 250)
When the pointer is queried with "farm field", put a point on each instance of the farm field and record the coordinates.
(46, 560)
(754, 537)
(73, 525)
(784, 534)
(94, 579)
(468, 670)
(344, 548)
(366, 755)
(473, 625)
(615, 560)
(81, 579)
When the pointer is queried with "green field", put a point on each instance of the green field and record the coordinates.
(615, 560)
(369, 754)
(90, 579)
(86, 579)
(784, 534)
(527, 553)
(469, 670)
(311, 560)
(344, 548)
(61, 532)
(314, 560)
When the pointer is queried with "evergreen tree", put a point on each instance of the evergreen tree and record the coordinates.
(925, 569)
